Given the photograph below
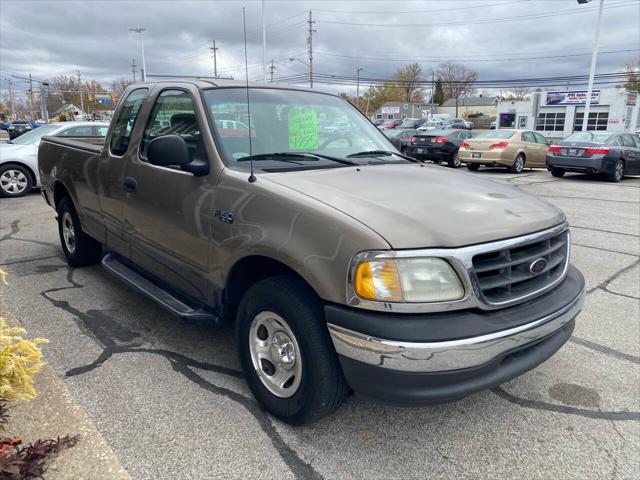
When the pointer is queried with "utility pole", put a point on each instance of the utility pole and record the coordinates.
(368, 97)
(358, 87)
(310, 43)
(81, 95)
(133, 69)
(43, 101)
(13, 108)
(214, 49)
(594, 57)
(30, 96)
(264, 45)
(272, 68)
(433, 87)
(143, 70)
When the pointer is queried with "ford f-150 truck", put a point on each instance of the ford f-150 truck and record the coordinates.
(343, 264)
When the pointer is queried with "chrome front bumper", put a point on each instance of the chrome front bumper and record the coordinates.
(453, 354)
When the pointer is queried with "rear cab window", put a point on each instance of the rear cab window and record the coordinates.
(126, 120)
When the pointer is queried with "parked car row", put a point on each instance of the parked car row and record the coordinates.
(612, 154)
(19, 157)
(424, 124)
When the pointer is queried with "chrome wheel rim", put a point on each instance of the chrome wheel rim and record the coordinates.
(456, 161)
(619, 171)
(519, 164)
(68, 232)
(275, 354)
(13, 182)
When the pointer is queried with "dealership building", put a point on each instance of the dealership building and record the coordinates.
(557, 114)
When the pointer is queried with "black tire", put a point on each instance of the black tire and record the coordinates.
(473, 166)
(15, 181)
(82, 250)
(557, 172)
(518, 164)
(618, 172)
(322, 387)
(403, 150)
(454, 161)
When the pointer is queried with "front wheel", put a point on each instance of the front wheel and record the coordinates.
(617, 173)
(78, 247)
(473, 166)
(518, 164)
(286, 351)
(15, 181)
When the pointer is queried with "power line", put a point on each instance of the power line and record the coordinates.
(471, 60)
(572, 11)
(394, 12)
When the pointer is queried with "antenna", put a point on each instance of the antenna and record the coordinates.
(252, 177)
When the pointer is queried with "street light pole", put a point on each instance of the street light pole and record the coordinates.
(143, 70)
(358, 87)
(594, 57)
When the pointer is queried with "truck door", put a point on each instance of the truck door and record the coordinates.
(169, 209)
(111, 195)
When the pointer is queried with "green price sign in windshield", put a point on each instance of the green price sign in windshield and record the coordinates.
(303, 129)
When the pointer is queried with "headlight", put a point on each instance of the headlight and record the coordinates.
(416, 280)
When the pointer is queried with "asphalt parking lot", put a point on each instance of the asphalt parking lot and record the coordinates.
(169, 399)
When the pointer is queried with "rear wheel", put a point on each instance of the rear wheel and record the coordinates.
(15, 181)
(473, 166)
(78, 247)
(286, 351)
(454, 161)
(557, 172)
(518, 164)
(617, 173)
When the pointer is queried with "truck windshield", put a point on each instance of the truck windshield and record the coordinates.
(290, 121)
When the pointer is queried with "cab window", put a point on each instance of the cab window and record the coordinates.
(102, 131)
(528, 137)
(173, 113)
(627, 141)
(126, 120)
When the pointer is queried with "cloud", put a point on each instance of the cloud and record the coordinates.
(48, 38)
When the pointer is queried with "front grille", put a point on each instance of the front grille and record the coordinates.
(505, 275)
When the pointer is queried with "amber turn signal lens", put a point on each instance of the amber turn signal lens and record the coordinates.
(378, 280)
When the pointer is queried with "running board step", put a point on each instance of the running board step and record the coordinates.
(165, 299)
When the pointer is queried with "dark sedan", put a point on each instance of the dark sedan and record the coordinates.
(612, 154)
(17, 128)
(401, 138)
(438, 146)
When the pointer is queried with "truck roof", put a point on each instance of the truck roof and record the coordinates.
(217, 82)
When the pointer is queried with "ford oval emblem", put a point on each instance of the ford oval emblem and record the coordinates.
(538, 266)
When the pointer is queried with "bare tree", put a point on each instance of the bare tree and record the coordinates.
(457, 79)
(521, 93)
(408, 80)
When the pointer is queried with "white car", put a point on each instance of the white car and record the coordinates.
(19, 158)
(431, 125)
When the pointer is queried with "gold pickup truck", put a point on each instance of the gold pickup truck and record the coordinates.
(343, 264)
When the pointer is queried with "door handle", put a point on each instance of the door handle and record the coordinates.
(130, 184)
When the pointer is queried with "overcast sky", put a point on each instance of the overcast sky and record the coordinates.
(54, 37)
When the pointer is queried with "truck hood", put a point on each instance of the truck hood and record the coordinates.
(419, 206)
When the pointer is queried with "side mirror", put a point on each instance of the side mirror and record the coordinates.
(168, 150)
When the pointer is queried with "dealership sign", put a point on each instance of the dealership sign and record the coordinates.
(572, 97)
(390, 110)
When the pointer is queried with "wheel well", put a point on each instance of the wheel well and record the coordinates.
(59, 192)
(246, 273)
(26, 167)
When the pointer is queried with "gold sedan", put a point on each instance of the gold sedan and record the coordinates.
(514, 149)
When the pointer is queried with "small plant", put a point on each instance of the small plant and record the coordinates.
(20, 360)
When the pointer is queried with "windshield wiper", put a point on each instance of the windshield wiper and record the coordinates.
(381, 153)
(280, 156)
